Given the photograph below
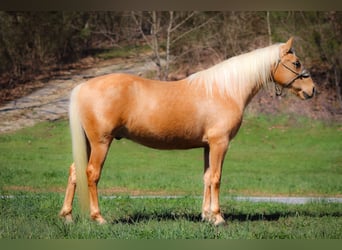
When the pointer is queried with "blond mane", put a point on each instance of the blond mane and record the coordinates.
(237, 76)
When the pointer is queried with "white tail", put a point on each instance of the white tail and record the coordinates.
(79, 150)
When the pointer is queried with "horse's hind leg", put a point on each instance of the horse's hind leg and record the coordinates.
(69, 195)
(96, 161)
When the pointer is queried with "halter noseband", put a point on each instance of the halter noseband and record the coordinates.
(279, 89)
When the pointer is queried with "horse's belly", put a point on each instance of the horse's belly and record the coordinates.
(163, 140)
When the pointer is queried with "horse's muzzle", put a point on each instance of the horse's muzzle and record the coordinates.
(308, 96)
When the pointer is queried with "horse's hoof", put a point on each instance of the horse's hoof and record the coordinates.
(101, 221)
(219, 221)
(206, 216)
(66, 217)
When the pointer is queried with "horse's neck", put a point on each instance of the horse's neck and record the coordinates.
(247, 96)
(251, 95)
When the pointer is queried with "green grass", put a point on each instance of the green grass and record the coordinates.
(270, 156)
(35, 216)
(37, 157)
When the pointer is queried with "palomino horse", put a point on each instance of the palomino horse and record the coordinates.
(204, 110)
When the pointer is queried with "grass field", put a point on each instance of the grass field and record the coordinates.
(35, 216)
(279, 156)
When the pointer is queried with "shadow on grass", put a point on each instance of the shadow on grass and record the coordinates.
(144, 216)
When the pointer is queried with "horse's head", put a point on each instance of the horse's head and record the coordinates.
(290, 73)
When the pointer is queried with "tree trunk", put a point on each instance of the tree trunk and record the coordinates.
(269, 28)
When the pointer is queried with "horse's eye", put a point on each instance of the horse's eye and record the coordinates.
(297, 64)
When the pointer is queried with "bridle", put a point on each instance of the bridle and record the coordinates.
(279, 89)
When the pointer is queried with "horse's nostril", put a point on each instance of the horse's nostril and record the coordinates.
(313, 91)
(307, 96)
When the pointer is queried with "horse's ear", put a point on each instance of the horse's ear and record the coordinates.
(286, 48)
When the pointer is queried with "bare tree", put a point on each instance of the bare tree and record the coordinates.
(166, 29)
(269, 28)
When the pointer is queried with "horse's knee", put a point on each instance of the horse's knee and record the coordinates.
(93, 174)
(206, 178)
(215, 181)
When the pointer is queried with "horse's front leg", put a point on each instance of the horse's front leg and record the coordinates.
(69, 195)
(212, 176)
(206, 213)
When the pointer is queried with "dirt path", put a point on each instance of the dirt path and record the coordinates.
(51, 101)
